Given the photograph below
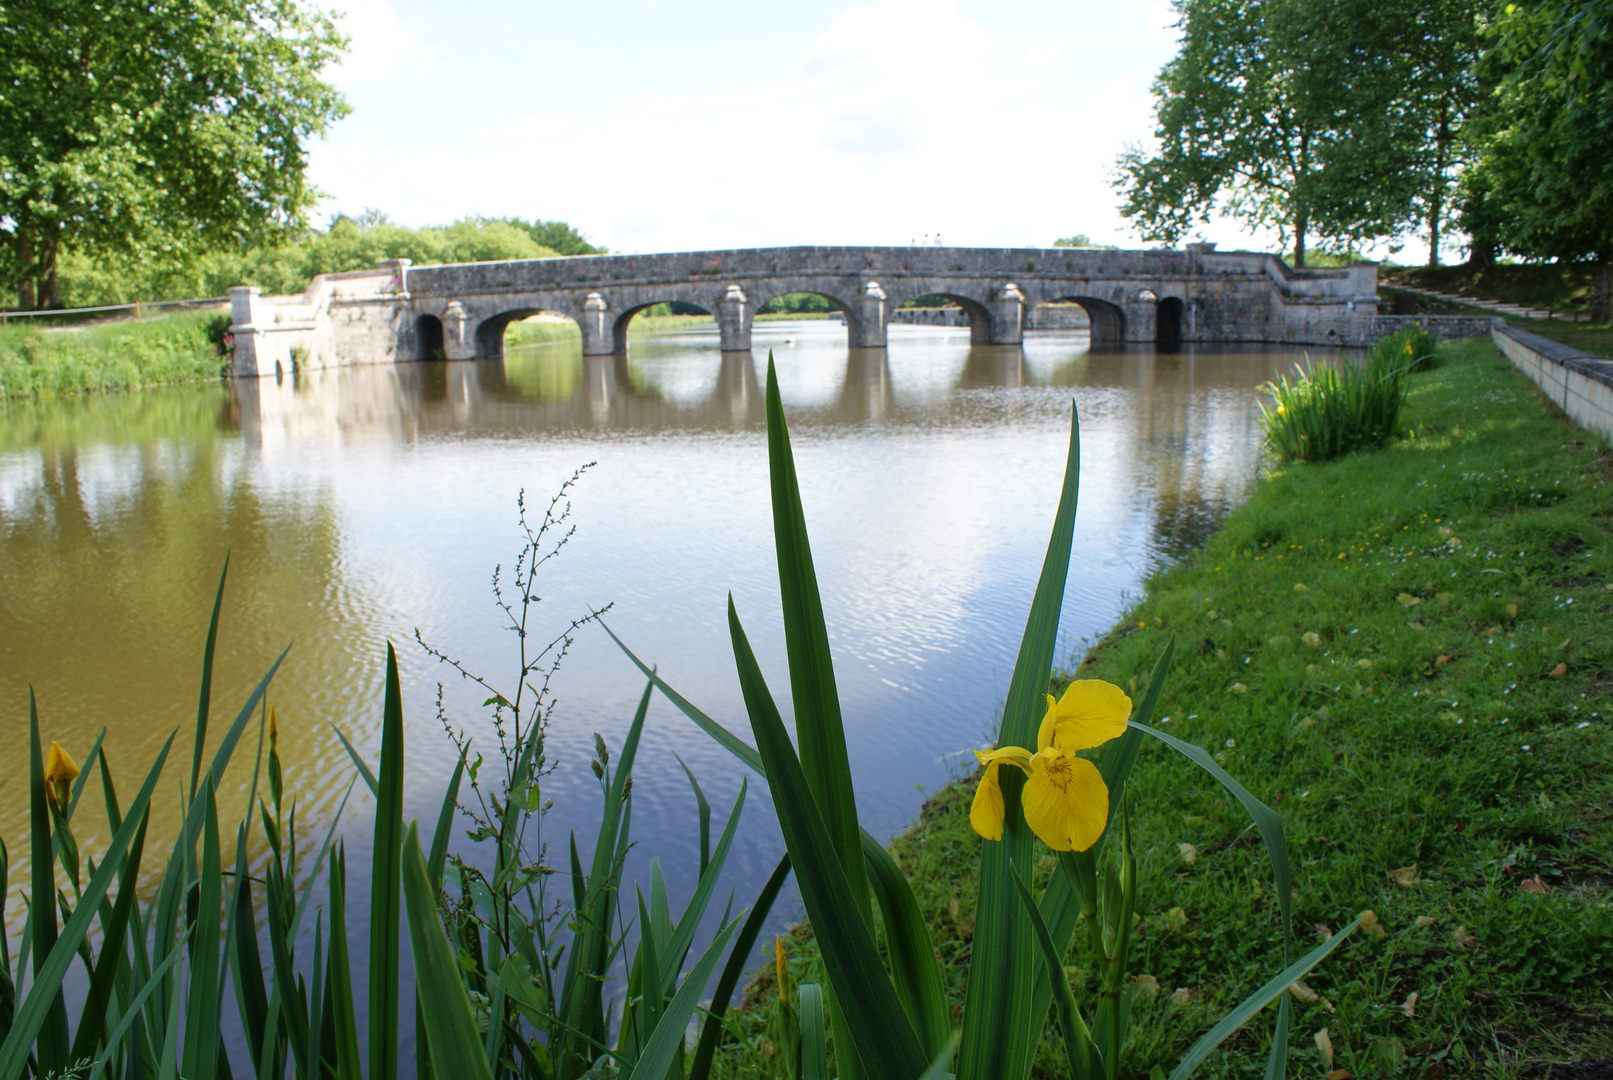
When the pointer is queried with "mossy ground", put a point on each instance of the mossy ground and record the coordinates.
(1439, 751)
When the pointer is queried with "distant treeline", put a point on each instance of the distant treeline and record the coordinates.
(348, 244)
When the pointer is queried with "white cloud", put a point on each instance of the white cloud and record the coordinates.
(381, 44)
(903, 118)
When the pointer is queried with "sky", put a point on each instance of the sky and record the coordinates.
(669, 125)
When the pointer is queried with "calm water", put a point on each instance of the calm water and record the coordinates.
(358, 505)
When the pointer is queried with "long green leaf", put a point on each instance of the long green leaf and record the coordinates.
(202, 1035)
(52, 1032)
(879, 1029)
(814, 1039)
(678, 941)
(1078, 1044)
(456, 1047)
(114, 933)
(663, 1044)
(131, 1013)
(44, 996)
(204, 705)
(914, 968)
(1257, 1001)
(711, 1031)
(1000, 1024)
(385, 917)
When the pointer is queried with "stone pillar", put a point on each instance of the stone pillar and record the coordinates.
(1142, 318)
(458, 333)
(866, 328)
(598, 335)
(245, 314)
(400, 274)
(734, 320)
(1007, 310)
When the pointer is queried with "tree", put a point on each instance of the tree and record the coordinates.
(156, 128)
(1439, 40)
(1547, 145)
(1289, 114)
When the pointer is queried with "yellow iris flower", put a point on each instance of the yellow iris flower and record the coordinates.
(1065, 800)
(60, 772)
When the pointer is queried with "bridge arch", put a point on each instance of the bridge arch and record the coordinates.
(850, 309)
(1107, 318)
(490, 331)
(428, 339)
(619, 328)
(1168, 322)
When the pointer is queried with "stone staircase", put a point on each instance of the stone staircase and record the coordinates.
(1496, 306)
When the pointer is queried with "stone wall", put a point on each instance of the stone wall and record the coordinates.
(1578, 383)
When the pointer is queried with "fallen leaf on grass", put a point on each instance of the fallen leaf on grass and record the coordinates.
(1324, 1046)
(1312, 638)
(1436, 1071)
(1189, 853)
(1182, 996)
(1462, 939)
(1408, 600)
(1443, 659)
(1145, 984)
(1175, 919)
(1341, 1074)
(1237, 688)
(1302, 991)
(1370, 923)
(1405, 877)
(1409, 1006)
(1535, 885)
(1557, 672)
(1425, 920)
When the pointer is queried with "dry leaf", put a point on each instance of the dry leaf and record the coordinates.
(1145, 984)
(1324, 1046)
(1462, 939)
(1409, 1006)
(1408, 600)
(1237, 688)
(1535, 885)
(1370, 923)
(955, 909)
(1405, 877)
(1311, 638)
(1512, 611)
(1182, 996)
(1425, 920)
(1557, 672)
(1441, 661)
(1301, 587)
(1188, 852)
(1446, 531)
(1175, 918)
(1341, 1074)
(1301, 991)
(1363, 664)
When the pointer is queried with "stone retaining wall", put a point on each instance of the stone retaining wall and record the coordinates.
(1578, 383)
(1443, 327)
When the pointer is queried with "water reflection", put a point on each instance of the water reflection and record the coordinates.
(357, 504)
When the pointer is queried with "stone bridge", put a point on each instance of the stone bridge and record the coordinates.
(399, 312)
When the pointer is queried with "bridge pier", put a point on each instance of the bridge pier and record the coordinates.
(865, 327)
(1007, 311)
(598, 332)
(734, 318)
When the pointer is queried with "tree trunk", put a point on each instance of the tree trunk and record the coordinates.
(1302, 222)
(1436, 197)
(25, 259)
(1602, 299)
(47, 270)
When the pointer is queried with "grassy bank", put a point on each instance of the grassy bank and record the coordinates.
(36, 361)
(1408, 653)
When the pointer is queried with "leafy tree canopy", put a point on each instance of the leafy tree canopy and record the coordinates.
(154, 128)
(1307, 117)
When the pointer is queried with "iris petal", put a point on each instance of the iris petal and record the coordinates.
(986, 813)
(1090, 713)
(1066, 803)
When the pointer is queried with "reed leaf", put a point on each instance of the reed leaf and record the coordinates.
(915, 972)
(711, 1031)
(385, 915)
(814, 1039)
(664, 1043)
(1080, 1050)
(204, 704)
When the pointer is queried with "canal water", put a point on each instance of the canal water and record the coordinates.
(358, 506)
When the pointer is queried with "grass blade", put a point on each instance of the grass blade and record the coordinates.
(445, 825)
(880, 1032)
(678, 941)
(385, 917)
(456, 1048)
(132, 1012)
(704, 809)
(200, 1058)
(1000, 1025)
(1257, 1001)
(711, 1031)
(914, 969)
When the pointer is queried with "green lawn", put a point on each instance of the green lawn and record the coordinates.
(1408, 653)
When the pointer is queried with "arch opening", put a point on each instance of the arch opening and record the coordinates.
(974, 313)
(1108, 321)
(1168, 323)
(807, 304)
(428, 339)
(653, 309)
(524, 326)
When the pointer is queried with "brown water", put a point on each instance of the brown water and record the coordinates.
(357, 505)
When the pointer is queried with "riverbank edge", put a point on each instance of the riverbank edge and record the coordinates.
(1481, 1001)
(123, 354)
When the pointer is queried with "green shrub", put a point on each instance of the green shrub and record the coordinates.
(1329, 411)
(1413, 346)
(39, 361)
